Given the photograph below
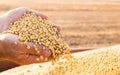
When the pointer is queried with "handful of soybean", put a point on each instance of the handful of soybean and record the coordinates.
(32, 28)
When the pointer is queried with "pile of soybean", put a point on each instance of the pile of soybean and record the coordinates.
(32, 28)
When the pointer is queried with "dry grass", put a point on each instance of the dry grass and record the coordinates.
(94, 24)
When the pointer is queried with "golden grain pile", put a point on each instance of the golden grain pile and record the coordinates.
(104, 61)
(32, 28)
(92, 63)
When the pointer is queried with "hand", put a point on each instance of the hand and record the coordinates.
(19, 53)
(13, 49)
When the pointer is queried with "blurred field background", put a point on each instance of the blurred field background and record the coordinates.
(84, 23)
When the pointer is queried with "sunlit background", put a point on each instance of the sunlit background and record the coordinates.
(84, 23)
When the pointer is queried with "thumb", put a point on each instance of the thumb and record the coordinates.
(14, 14)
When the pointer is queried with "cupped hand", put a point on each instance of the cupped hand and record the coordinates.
(23, 53)
(15, 50)
(14, 14)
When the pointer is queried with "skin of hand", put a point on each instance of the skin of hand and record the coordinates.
(12, 49)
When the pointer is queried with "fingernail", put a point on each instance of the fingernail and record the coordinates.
(46, 17)
(59, 35)
(28, 47)
(58, 28)
(46, 59)
(46, 53)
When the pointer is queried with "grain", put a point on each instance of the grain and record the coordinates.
(37, 59)
(104, 61)
(46, 59)
(32, 28)
(41, 57)
(38, 51)
(28, 47)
